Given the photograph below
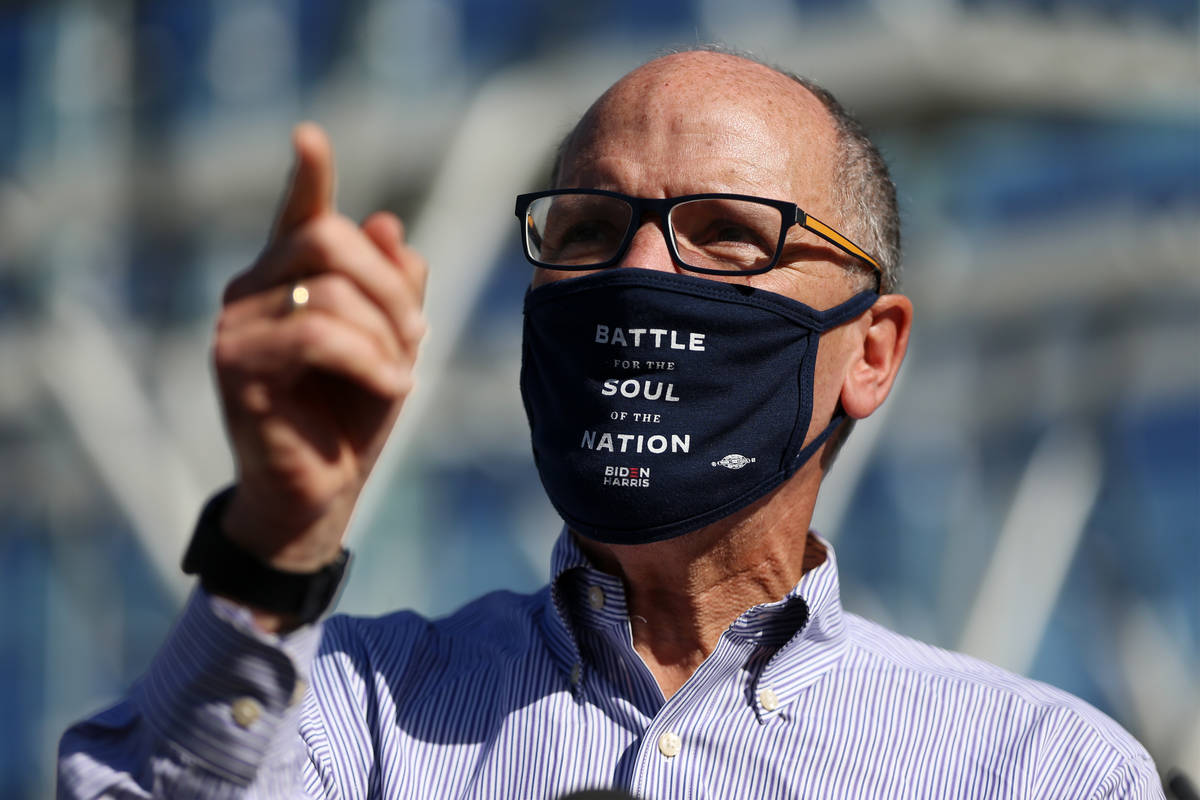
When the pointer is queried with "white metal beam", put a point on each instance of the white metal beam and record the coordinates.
(1035, 548)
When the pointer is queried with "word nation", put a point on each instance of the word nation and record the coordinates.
(635, 443)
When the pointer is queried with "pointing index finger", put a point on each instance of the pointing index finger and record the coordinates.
(310, 189)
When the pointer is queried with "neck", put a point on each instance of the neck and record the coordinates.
(683, 593)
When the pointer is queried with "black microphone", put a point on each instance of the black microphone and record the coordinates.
(1180, 786)
(598, 794)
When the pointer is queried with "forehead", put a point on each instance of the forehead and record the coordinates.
(699, 122)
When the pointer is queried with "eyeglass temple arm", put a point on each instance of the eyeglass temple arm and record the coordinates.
(830, 235)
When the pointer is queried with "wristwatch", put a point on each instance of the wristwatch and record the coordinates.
(226, 569)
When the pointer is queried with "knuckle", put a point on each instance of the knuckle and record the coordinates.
(334, 289)
(322, 243)
(396, 292)
(415, 327)
(223, 324)
(317, 245)
(237, 287)
(225, 352)
(335, 227)
(413, 261)
(416, 270)
(309, 330)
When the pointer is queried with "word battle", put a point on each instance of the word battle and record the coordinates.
(632, 337)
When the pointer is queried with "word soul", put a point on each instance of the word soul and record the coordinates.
(650, 390)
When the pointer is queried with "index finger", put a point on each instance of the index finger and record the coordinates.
(310, 190)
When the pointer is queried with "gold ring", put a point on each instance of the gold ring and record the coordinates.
(299, 297)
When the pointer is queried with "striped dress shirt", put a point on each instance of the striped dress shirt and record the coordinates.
(536, 696)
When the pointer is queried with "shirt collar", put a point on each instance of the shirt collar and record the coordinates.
(804, 630)
(817, 647)
(566, 559)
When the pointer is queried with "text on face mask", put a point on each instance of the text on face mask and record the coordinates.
(631, 388)
(635, 442)
(649, 337)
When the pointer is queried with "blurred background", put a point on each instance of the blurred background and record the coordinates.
(1031, 492)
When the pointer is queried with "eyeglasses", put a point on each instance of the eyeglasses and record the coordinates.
(715, 234)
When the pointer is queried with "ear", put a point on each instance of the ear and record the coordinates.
(877, 357)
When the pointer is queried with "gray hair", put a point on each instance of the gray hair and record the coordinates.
(865, 195)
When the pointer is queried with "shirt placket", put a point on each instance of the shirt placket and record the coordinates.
(672, 757)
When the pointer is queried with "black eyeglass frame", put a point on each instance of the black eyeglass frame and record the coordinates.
(662, 206)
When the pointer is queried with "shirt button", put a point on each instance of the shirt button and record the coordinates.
(576, 674)
(768, 699)
(246, 711)
(298, 691)
(596, 597)
(669, 744)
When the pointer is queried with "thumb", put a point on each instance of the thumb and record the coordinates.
(310, 191)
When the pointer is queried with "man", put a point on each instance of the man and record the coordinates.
(691, 642)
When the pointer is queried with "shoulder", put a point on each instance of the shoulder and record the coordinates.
(492, 625)
(1037, 725)
(379, 682)
(372, 669)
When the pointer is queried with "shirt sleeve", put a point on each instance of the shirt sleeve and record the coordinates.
(215, 716)
(1132, 781)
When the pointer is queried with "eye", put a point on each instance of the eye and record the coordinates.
(727, 236)
(726, 231)
(581, 241)
(726, 223)
(586, 231)
(578, 228)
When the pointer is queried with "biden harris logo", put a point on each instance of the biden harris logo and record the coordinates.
(633, 477)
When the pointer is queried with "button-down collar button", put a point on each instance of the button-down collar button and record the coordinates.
(246, 711)
(596, 597)
(576, 674)
(768, 699)
(298, 691)
(669, 744)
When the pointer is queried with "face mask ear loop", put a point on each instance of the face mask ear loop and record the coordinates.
(840, 314)
(804, 455)
(833, 317)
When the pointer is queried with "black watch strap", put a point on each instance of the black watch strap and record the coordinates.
(226, 569)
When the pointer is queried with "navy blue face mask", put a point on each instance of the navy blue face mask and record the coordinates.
(659, 403)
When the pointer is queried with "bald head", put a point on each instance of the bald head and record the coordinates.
(703, 121)
(677, 94)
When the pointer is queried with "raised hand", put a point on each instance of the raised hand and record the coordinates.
(310, 392)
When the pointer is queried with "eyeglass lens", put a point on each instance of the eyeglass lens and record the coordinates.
(578, 230)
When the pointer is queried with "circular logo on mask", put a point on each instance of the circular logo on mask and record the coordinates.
(733, 461)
